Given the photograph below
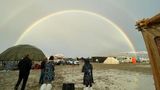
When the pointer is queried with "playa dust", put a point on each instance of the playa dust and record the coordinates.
(106, 77)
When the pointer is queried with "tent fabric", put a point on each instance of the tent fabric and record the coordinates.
(133, 60)
(59, 56)
(19, 51)
(111, 60)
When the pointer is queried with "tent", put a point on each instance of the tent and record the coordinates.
(59, 56)
(133, 60)
(111, 60)
(16, 53)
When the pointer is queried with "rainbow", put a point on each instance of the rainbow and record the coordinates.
(76, 11)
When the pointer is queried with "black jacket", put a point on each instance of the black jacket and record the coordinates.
(88, 75)
(25, 65)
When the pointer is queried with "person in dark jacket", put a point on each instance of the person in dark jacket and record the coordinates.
(88, 75)
(42, 70)
(24, 69)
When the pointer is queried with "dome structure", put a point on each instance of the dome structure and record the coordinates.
(19, 51)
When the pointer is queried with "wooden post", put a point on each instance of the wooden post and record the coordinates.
(150, 29)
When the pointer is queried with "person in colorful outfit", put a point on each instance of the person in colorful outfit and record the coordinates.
(49, 74)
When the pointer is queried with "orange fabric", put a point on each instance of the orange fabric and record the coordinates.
(133, 60)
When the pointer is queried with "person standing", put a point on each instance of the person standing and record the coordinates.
(88, 75)
(24, 69)
(49, 74)
(42, 70)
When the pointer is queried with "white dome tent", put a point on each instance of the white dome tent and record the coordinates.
(59, 59)
(59, 56)
(111, 60)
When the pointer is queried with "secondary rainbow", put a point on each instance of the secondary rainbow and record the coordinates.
(75, 11)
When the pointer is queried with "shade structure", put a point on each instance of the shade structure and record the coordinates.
(111, 60)
(19, 51)
(150, 29)
(59, 56)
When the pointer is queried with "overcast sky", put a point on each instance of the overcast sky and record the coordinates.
(75, 33)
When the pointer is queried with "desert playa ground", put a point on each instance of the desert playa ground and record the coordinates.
(106, 77)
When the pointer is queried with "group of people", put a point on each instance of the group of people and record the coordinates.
(47, 73)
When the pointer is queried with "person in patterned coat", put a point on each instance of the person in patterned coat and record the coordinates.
(88, 75)
(48, 74)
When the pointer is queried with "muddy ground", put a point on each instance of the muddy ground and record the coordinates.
(106, 77)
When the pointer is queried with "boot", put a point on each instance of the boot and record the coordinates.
(43, 87)
(15, 88)
(49, 87)
(90, 88)
(86, 88)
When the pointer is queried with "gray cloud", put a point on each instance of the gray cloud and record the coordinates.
(18, 15)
